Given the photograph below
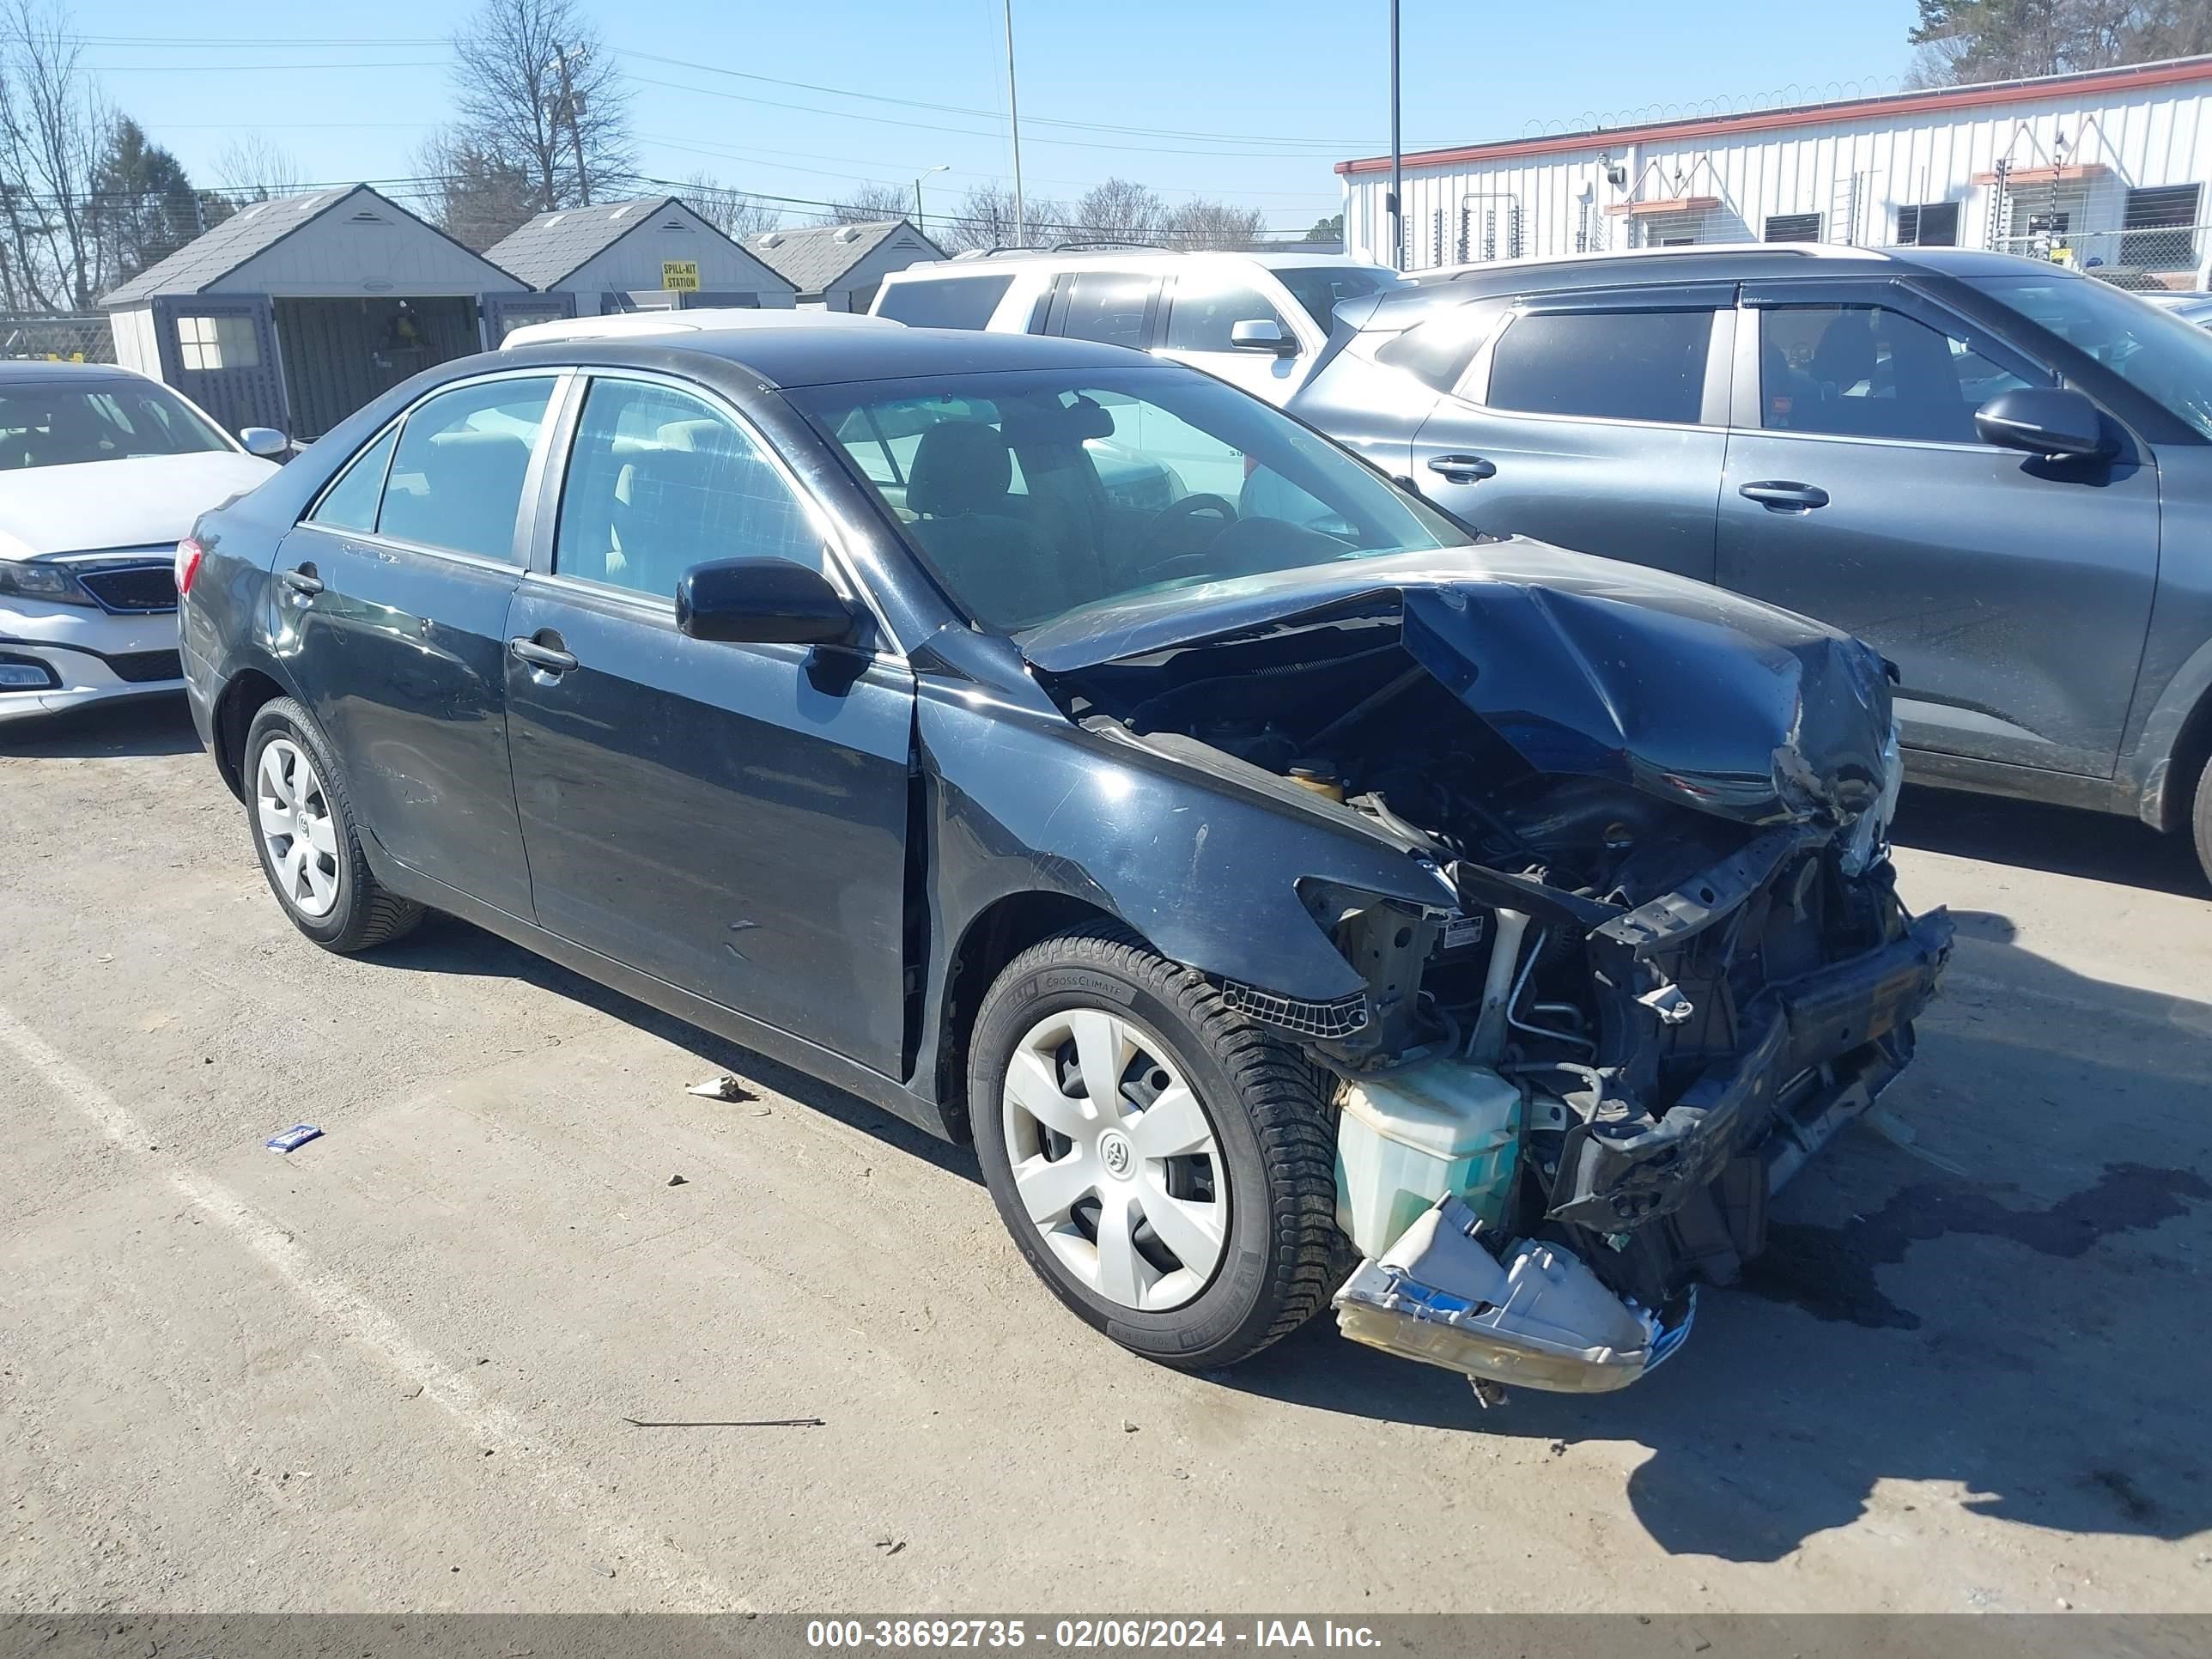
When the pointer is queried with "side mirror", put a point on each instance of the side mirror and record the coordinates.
(266, 442)
(762, 601)
(2057, 425)
(1262, 334)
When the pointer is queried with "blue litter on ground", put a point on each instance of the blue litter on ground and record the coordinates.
(293, 1138)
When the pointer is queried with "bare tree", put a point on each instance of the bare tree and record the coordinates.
(535, 87)
(1970, 40)
(253, 167)
(1199, 223)
(475, 194)
(1118, 211)
(984, 218)
(873, 201)
(54, 136)
(732, 212)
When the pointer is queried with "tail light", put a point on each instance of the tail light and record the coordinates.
(189, 554)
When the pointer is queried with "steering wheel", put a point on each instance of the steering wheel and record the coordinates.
(1171, 519)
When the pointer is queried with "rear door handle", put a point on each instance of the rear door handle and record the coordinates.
(1463, 469)
(543, 657)
(303, 581)
(1784, 495)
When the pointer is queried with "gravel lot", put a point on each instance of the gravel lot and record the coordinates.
(395, 1371)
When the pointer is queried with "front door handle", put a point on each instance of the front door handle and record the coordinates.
(1463, 469)
(1784, 496)
(303, 580)
(547, 660)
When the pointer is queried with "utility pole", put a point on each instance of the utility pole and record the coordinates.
(921, 224)
(1014, 120)
(575, 125)
(1395, 205)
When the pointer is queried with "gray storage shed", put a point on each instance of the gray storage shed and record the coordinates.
(839, 267)
(650, 254)
(294, 312)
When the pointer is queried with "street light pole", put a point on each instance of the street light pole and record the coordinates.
(1396, 204)
(920, 222)
(1014, 121)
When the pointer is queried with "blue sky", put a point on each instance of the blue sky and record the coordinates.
(1249, 100)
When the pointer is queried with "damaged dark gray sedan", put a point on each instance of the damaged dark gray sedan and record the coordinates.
(1294, 899)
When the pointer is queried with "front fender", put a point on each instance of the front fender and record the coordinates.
(2148, 767)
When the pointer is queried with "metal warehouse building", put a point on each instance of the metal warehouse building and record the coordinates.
(2105, 171)
(651, 255)
(294, 312)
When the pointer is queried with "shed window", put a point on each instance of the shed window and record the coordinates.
(206, 342)
(1794, 228)
(1931, 224)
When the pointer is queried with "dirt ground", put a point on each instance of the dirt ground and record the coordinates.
(472, 1350)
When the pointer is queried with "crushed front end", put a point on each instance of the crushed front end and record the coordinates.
(1666, 963)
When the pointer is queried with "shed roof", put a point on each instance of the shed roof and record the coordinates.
(253, 229)
(555, 246)
(814, 258)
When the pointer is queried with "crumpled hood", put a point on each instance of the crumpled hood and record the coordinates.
(144, 501)
(1586, 667)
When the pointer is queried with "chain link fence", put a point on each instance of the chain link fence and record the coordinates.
(57, 339)
(2170, 255)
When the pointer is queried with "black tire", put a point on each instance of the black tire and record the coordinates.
(364, 916)
(2201, 820)
(1266, 1104)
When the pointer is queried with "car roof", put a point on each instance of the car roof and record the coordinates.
(16, 370)
(806, 355)
(704, 319)
(1711, 263)
(1003, 259)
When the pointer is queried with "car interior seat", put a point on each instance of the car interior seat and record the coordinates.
(975, 529)
(472, 483)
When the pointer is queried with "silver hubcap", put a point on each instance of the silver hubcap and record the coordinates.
(294, 817)
(1115, 1160)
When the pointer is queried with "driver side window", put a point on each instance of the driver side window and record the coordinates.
(1871, 372)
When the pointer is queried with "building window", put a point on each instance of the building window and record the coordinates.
(1931, 224)
(2160, 228)
(1794, 228)
(218, 342)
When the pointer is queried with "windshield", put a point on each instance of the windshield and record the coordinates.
(1319, 289)
(55, 424)
(1033, 494)
(2159, 353)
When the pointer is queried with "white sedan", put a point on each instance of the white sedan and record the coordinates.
(102, 471)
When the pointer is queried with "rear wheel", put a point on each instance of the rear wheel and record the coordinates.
(303, 828)
(2201, 820)
(1166, 1165)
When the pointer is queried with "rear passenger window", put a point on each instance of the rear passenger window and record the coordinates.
(946, 303)
(1107, 306)
(350, 503)
(660, 480)
(1610, 365)
(1437, 352)
(455, 477)
(1204, 311)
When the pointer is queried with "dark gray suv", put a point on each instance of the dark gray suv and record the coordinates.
(1997, 471)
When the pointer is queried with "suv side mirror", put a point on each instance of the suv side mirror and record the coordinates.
(266, 442)
(762, 601)
(1262, 334)
(2057, 425)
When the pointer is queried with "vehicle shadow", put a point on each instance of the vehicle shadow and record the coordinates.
(2063, 840)
(446, 944)
(2008, 1306)
(155, 725)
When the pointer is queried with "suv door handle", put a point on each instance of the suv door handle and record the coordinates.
(543, 657)
(1463, 469)
(1782, 496)
(303, 580)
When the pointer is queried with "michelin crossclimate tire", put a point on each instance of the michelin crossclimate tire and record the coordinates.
(303, 828)
(1188, 1211)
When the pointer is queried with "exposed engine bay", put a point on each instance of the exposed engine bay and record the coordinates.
(1687, 977)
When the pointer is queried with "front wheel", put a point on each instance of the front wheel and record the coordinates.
(2201, 820)
(1167, 1166)
(303, 828)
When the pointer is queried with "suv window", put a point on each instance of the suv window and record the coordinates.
(1205, 309)
(1436, 352)
(659, 480)
(1870, 372)
(456, 476)
(1107, 306)
(1612, 365)
(944, 302)
(1321, 288)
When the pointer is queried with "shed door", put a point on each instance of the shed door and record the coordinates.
(504, 313)
(222, 354)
